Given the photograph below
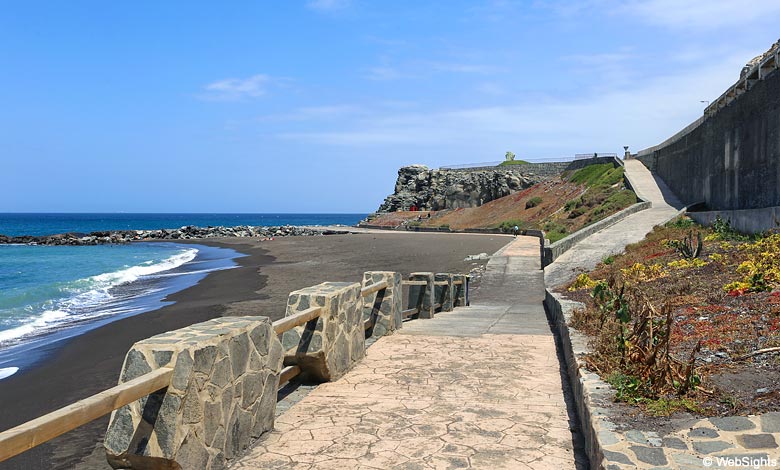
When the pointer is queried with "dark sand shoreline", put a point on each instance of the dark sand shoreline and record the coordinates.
(90, 363)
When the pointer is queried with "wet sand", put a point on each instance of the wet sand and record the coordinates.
(91, 362)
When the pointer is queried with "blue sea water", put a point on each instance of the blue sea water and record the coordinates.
(51, 293)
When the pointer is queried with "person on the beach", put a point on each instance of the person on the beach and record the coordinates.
(515, 230)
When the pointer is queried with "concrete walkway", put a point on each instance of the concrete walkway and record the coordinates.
(479, 387)
(584, 256)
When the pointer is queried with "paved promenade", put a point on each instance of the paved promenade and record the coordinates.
(479, 387)
(589, 252)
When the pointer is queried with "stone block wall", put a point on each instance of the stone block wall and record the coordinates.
(460, 294)
(326, 348)
(443, 293)
(422, 296)
(384, 306)
(222, 395)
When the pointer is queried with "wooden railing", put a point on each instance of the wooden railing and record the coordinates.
(33, 433)
(287, 324)
(40, 430)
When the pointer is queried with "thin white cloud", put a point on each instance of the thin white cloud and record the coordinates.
(385, 73)
(491, 88)
(427, 68)
(703, 15)
(230, 89)
(640, 116)
(328, 5)
(315, 113)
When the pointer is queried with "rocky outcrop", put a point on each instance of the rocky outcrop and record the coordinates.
(427, 189)
(189, 232)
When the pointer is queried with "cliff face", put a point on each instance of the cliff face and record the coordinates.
(417, 185)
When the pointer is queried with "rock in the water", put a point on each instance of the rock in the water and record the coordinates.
(184, 233)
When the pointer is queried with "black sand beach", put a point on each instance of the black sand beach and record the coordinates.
(91, 362)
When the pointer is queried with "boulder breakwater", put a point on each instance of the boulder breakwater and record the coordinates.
(184, 233)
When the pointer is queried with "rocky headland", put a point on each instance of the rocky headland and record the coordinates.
(429, 189)
(184, 233)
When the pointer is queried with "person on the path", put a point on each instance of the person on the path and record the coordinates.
(515, 230)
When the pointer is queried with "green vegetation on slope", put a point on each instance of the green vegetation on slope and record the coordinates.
(595, 175)
(513, 162)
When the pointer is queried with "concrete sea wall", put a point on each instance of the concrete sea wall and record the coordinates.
(729, 159)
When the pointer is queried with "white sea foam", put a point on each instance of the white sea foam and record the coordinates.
(90, 295)
(7, 372)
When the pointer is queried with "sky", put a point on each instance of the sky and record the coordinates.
(312, 106)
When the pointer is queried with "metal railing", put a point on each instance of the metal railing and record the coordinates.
(585, 156)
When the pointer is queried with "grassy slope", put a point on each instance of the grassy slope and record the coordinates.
(559, 206)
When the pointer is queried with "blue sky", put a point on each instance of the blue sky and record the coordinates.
(312, 106)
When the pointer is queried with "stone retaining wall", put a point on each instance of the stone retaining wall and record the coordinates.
(748, 441)
(744, 221)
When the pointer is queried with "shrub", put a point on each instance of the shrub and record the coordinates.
(533, 202)
(686, 263)
(761, 269)
(681, 222)
(687, 247)
(583, 281)
(508, 225)
(632, 345)
(722, 230)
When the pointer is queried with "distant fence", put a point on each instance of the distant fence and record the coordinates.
(585, 156)
(471, 165)
(531, 162)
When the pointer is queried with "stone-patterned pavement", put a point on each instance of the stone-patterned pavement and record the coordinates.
(717, 443)
(430, 402)
(455, 391)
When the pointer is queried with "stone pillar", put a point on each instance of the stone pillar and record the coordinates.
(326, 348)
(444, 292)
(460, 291)
(222, 396)
(384, 305)
(422, 296)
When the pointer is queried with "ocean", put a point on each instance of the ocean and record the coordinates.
(51, 293)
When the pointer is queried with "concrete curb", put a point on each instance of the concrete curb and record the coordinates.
(586, 387)
(693, 443)
(554, 250)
